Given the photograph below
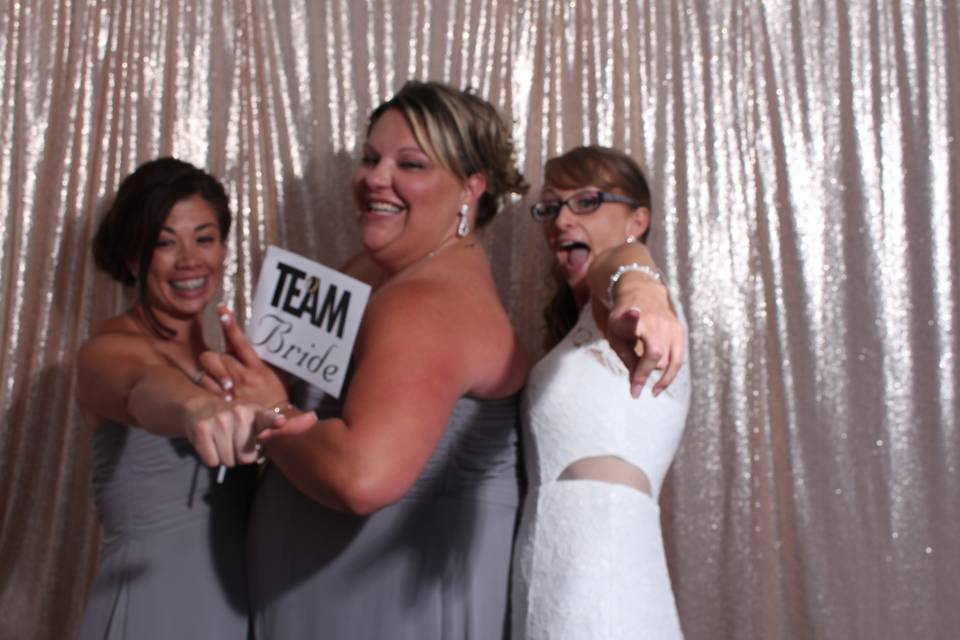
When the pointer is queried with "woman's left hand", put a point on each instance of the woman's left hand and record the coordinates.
(646, 341)
(240, 373)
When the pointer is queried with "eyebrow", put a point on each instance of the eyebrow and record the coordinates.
(199, 227)
(369, 147)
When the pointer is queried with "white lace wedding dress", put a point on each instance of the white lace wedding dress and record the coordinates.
(589, 559)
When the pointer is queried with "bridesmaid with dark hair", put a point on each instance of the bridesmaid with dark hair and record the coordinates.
(172, 559)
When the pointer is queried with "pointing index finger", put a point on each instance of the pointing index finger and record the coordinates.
(236, 340)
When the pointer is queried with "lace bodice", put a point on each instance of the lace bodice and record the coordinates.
(577, 404)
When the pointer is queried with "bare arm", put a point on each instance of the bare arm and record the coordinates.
(641, 326)
(122, 380)
(420, 349)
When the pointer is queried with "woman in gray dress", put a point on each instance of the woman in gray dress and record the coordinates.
(393, 515)
(171, 563)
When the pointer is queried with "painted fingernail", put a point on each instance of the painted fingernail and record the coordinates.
(228, 397)
(225, 318)
(635, 390)
(227, 384)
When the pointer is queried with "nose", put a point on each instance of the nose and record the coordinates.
(377, 175)
(565, 217)
(563, 220)
(186, 254)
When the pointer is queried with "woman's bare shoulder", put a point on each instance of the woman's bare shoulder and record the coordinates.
(120, 338)
(362, 267)
(108, 365)
(456, 306)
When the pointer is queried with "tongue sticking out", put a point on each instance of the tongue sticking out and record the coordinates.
(577, 257)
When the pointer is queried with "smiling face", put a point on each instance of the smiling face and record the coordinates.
(575, 239)
(406, 202)
(187, 261)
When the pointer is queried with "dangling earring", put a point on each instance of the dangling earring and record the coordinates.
(464, 227)
(631, 239)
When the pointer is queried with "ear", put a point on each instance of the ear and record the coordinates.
(474, 186)
(134, 268)
(638, 222)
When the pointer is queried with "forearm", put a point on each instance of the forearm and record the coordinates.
(636, 286)
(164, 402)
(330, 465)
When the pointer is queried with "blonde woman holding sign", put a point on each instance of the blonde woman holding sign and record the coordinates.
(393, 516)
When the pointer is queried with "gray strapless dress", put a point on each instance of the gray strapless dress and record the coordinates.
(434, 565)
(172, 561)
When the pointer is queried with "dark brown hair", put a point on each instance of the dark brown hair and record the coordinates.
(128, 232)
(608, 170)
(465, 134)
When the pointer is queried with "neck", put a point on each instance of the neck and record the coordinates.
(449, 243)
(186, 331)
(581, 295)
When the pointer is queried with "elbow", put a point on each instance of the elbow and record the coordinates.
(356, 494)
(364, 497)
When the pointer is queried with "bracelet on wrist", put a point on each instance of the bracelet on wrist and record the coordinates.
(285, 409)
(635, 267)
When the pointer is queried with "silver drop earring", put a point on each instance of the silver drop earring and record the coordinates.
(464, 227)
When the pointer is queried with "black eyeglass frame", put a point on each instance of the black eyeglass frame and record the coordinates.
(540, 211)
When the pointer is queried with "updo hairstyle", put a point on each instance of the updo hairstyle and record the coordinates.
(128, 233)
(463, 133)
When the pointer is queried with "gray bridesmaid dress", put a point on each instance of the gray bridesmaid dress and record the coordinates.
(434, 565)
(172, 561)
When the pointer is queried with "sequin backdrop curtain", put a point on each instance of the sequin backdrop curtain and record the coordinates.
(805, 162)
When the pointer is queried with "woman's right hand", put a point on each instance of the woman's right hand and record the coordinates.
(646, 341)
(221, 432)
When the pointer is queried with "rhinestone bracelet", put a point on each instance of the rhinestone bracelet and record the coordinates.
(624, 268)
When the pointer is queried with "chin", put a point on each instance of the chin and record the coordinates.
(189, 311)
(375, 237)
(575, 279)
(186, 308)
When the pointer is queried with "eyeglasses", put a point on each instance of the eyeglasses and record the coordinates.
(579, 203)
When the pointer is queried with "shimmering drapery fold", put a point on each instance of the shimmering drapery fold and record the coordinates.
(804, 162)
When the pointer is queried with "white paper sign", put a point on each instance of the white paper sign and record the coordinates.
(306, 317)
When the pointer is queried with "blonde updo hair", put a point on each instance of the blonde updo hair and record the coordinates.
(463, 133)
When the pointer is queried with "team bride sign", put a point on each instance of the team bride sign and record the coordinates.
(305, 318)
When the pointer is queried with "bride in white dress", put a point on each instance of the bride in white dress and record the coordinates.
(589, 559)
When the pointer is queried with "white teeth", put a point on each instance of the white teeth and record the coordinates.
(383, 207)
(188, 285)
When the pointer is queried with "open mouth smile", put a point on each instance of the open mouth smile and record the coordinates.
(190, 285)
(383, 208)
